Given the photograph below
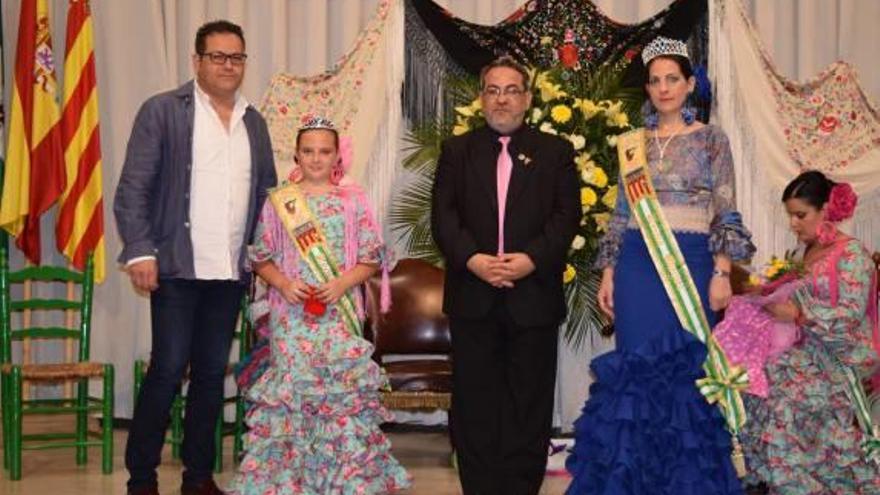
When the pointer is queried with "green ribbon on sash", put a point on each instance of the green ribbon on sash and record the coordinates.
(871, 444)
(308, 237)
(723, 382)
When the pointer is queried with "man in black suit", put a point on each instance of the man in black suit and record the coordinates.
(505, 255)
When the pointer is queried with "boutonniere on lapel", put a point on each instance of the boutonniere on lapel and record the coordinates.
(526, 160)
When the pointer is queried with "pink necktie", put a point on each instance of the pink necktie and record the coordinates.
(505, 166)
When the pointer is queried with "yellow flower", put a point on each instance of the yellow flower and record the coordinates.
(470, 110)
(588, 196)
(549, 91)
(602, 220)
(610, 197)
(617, 119)
(546, 40)
(582, 161)
(464, 111)
(771, 271)
(754, 280)
(461, 126)
(587, 107)
(569, 274)
(598, 177)
(612, 141)
(560, 113)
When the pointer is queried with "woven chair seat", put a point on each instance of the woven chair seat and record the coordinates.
(58, 371)
(417, 400)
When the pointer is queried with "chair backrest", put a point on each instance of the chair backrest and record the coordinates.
(416, 323)
(79, 304)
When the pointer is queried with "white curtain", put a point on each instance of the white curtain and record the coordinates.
(144, 46)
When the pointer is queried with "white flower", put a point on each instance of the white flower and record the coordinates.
(548, 128)
(612, 141)
(537, 114)
(578, 141)
(578, 242)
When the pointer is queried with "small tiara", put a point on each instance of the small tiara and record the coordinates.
(664, 46)
(319, 123)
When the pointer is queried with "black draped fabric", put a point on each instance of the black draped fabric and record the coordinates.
(532, 35)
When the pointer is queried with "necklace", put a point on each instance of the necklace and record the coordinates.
(662, 166)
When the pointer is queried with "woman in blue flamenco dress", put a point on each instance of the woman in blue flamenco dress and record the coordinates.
(645, 428)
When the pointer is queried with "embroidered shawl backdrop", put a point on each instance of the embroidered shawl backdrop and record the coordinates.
(360, 93)
(779, 127)
(439, 44)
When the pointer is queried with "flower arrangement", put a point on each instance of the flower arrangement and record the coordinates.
(776, 272)
(589, 112)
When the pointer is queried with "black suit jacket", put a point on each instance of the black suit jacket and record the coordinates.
(542, 214)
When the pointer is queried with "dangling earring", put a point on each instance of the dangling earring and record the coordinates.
(296, 174)
(826, 233)
(336, 174)
(649, 115)
(688, 112)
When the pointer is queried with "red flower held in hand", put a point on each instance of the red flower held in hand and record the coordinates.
(313, 306)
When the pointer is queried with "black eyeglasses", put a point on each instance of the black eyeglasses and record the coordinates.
(220, 58)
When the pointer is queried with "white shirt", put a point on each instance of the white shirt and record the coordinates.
(219, 190)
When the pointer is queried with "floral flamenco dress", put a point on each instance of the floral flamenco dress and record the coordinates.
(315, 412)
(645, 428)
(801, 437)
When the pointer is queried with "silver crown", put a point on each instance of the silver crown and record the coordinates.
(319, 123)
(664, 46)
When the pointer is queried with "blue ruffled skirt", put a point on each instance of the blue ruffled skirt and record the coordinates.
(645, 428)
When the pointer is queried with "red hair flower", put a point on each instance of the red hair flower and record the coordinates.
(841, 203)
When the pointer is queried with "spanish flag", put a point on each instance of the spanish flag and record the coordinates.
(80, 227)
(34, 174)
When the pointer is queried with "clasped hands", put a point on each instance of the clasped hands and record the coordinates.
(502, 270)
(296, 291)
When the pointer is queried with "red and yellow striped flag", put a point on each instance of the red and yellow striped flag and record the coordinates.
(80, 227)
(34, 174)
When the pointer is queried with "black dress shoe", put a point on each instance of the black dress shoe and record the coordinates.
(207, 487)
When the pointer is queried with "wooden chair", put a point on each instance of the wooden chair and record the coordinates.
(244, 335)
(415, 329)
(78, 369)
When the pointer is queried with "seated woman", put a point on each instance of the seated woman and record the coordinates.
(801, 437)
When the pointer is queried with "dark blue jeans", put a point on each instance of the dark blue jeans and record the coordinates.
(192, 325)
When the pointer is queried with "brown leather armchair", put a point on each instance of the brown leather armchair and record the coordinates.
(415, 329)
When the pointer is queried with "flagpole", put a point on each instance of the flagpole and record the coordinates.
(3, 237)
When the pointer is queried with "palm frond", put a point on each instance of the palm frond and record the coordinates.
(423, 147)
(585, 319)
(410, 217)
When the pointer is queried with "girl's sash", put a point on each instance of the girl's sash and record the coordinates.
(310, 242)
(723, 382)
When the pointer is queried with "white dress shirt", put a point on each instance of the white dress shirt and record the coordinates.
(220, 189)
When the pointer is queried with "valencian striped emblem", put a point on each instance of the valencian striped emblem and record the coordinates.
(310, 242)
(723, 382)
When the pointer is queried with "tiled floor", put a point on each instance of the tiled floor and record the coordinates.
(54, 472)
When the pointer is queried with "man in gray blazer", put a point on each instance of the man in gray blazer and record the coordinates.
(197, 170)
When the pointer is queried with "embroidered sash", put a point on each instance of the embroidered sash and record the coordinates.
(723, 382)
(308, 237)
